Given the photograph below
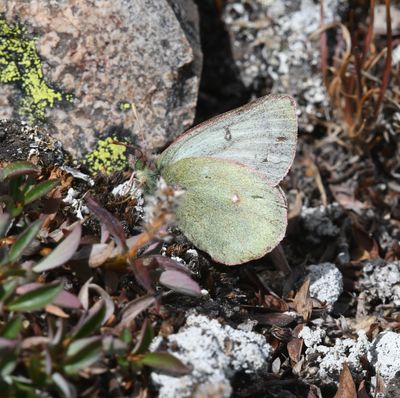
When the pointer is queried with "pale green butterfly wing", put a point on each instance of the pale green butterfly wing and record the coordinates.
(227, 210)
(261, 135)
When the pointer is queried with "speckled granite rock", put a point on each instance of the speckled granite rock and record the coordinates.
(92, 68)
(273, 51)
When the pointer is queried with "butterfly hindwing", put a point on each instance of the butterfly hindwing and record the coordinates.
(227, 209)
(261, 135)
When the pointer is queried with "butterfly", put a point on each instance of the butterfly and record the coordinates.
(229, 168)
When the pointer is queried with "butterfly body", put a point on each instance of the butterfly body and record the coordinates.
(229, 169)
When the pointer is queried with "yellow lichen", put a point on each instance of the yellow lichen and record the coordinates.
(21, 64)
(124, 106)
(108, 156)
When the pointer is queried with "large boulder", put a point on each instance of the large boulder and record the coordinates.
(90, 69)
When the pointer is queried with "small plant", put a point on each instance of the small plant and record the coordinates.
(357, 94)
(50, 336)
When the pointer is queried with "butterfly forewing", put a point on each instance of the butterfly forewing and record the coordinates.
(261, 135)
(227, 210)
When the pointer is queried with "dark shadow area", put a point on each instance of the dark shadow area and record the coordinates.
(220, 86)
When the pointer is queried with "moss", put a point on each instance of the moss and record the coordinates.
(109, 156)
(20, 64)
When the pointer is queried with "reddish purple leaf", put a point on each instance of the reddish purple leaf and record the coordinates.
(180, 282)
(169, 264)
(153, 247)
(63, 299)
(133, 309)
(145, 338)
(109, 221)
(141, 268)
(8, 343)
(62, 253)
(67, 300)
(84, 298)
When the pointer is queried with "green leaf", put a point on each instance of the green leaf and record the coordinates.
(36, 369)
(24, 387)
(82, 353)
(23, 241)
(12, 328)
(62, 253)
(165, 362)
(18, 168)
(14, 190)
(40, 190)
(8, 361)
(5, 221)
(14, 202)
(91, 323)
(35, 299)
(126, 336)
(7, 288)
(227, 210)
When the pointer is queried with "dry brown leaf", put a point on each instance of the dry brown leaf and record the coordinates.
(380, 384)
(275, 303)
(55, 310)
(294, 348)
(362, 392)
(347, 388)
(302, 301)
(274, 318)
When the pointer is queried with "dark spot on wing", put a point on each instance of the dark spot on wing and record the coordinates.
(281, 139)
(228, 134)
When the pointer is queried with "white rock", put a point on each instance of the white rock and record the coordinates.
(312, 337)
(216, 353)
(326, 282)
(384, 354)
(382, 281)
(327, 360)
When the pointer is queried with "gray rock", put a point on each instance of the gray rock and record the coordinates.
(216, 353)
(393, 387)
(272, 48)
(110, 67)
(320, 222)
